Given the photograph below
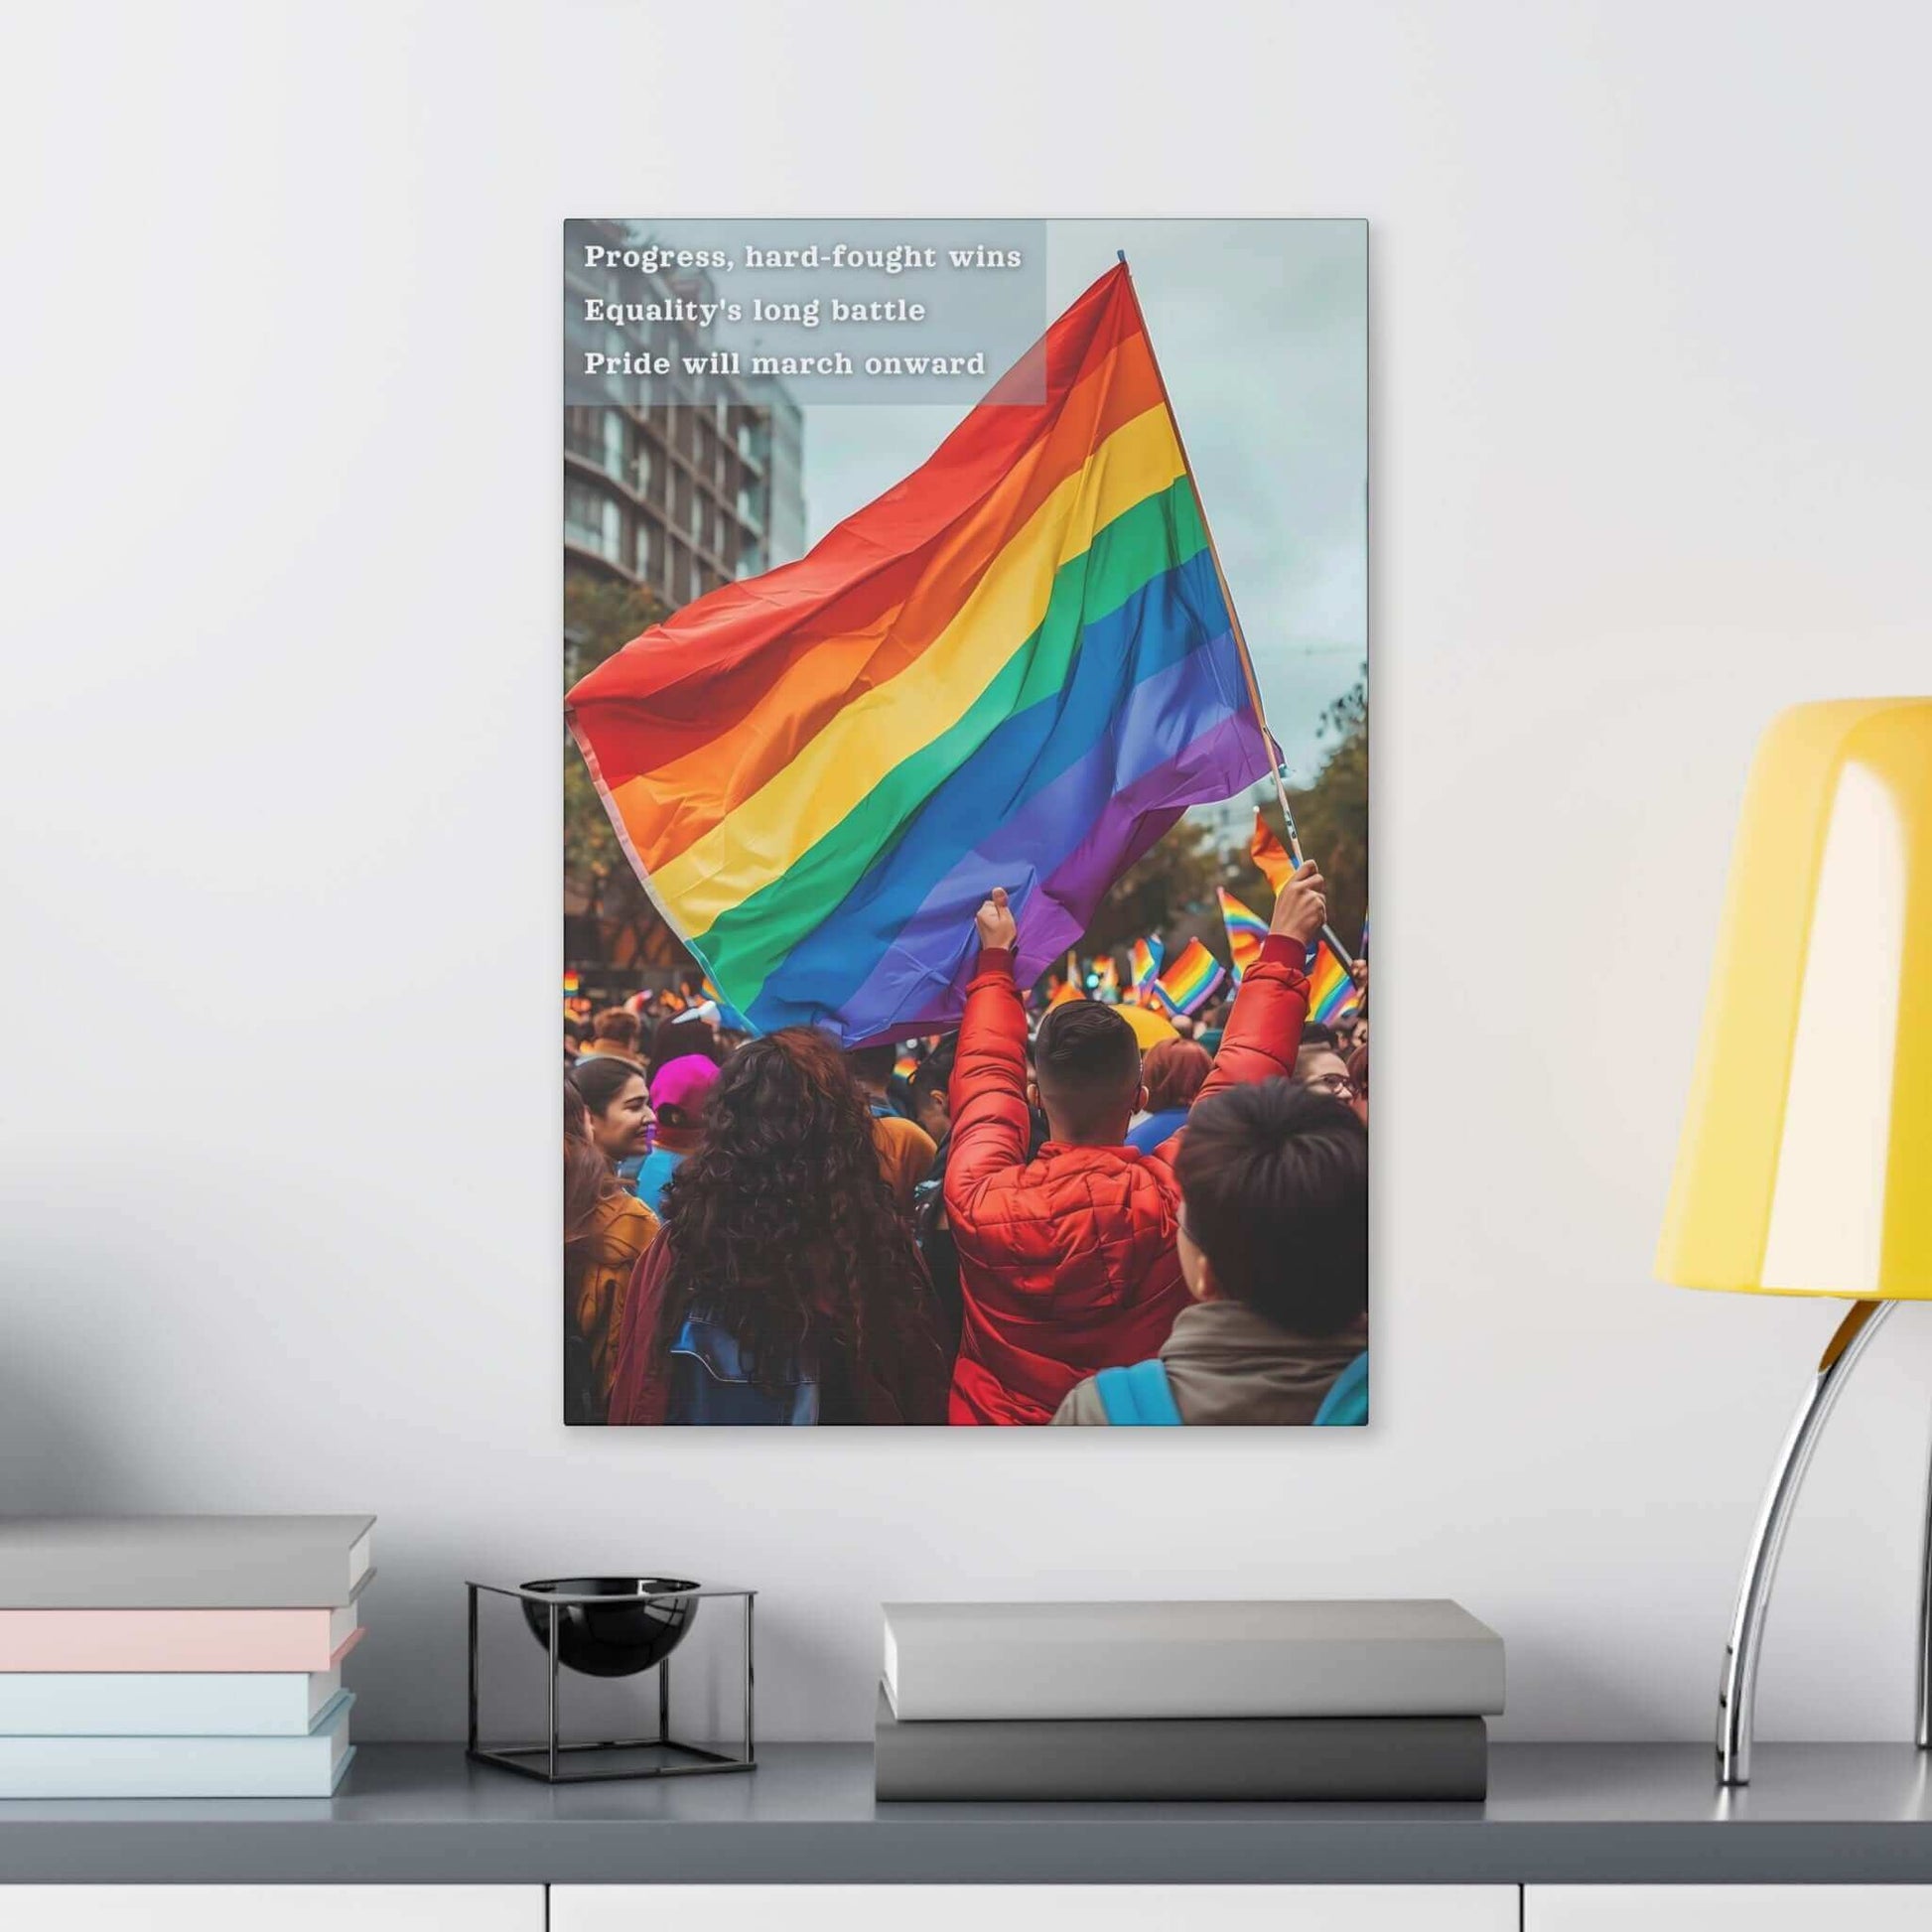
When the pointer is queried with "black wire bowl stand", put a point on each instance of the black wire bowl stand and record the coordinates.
(555, 1762)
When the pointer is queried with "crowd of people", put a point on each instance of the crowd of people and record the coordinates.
(1035, 1219)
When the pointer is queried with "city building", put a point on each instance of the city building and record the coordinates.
(684, 494)
(674, 498)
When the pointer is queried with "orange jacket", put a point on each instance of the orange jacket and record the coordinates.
(1067, 1262)
(625, 1228)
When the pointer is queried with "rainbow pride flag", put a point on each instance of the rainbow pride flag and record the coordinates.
(1270, 853)
(1064, 992)
(1144, 964)
(1189, 984)
(1332, 993)
(906, 1066)
(1246, 931)
(1106, 978)
(1014, 669)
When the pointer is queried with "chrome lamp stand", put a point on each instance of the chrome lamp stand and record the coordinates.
(1737, 1694)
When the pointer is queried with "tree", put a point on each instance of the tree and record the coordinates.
(1331, 815)
(1173, 883)
(599, 619)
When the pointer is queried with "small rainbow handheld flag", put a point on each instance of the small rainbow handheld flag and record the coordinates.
(906, 1066)
(1246, 931)
(1064, 992)
(799, 764)
(1332, 993)
(1268, 852)
(1106, 977)
(1144, 964)
(1189, 984)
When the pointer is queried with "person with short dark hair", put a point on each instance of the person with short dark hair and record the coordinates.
(676, 1036)
(1068, 1258)
(614, 1032)
(1174, 1072)
(1321, 1064)
(928, 1091)
(1274, 1248)
(905, 1149)
(933, 1109)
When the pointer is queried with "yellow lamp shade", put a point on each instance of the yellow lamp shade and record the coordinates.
(1806, 1161)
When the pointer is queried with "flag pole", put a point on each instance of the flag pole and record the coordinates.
(1214, 555)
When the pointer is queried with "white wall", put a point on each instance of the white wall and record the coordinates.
(278, 786)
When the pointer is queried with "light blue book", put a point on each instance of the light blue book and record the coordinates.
(164, 1703)
(182, 1767)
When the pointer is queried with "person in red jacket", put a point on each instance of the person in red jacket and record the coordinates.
(1067, 1262)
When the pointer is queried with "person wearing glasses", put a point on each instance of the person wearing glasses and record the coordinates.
(1320, 1065)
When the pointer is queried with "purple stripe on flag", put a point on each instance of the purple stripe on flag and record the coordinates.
(1229, 755)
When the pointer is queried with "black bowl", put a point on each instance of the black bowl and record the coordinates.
(612, 1639)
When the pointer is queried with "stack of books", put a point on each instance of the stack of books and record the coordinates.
(1382, 1700)
(178, 1656)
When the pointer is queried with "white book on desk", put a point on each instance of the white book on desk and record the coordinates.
(1313, 1658)
(183, 1562)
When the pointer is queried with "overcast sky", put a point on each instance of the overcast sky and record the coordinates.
(1261, 330)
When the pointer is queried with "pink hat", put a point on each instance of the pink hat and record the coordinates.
(683, 1082)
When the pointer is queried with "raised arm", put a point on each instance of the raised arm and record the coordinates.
(991, 1125)
(1264, 1031)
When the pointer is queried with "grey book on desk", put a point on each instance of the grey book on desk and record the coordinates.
(1223, 1760)
(1316, 1658)
(183, 1562)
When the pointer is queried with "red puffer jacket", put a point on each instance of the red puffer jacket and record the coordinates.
(1067, 1262)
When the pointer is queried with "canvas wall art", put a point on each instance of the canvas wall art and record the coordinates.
(966, 922)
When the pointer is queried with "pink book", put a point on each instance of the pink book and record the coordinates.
(165, 1640)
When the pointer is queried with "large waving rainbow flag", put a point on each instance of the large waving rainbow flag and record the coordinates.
(1246, 931)
(1016, 668)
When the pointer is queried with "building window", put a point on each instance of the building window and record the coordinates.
(580, 434)
(643, 548)
(592, 520)
(614, 444)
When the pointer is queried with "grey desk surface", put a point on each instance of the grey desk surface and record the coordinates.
(1556, 1813)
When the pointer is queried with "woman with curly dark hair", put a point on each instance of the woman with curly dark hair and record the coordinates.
(786, 1288)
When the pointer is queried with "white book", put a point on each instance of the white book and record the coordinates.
(164, 1703)
(183, 1562)
(180, 1767)
(1386, 1658)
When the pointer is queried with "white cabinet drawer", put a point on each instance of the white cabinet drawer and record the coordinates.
(271, 1908)
(1034, 1908)
(1726, 1908)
